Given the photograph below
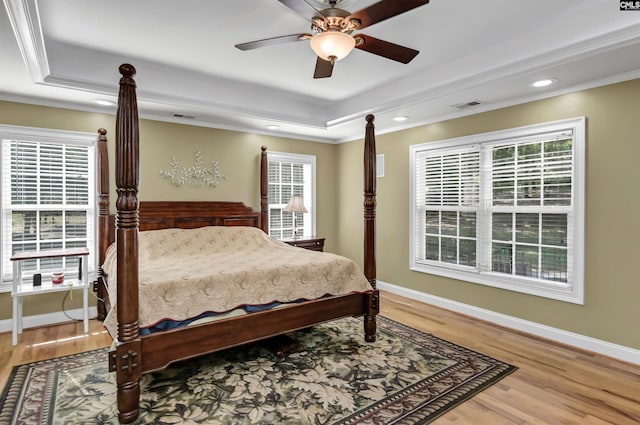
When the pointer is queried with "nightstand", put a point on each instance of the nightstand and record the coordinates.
(313, 243)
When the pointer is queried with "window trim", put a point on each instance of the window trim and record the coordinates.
(302, 159)
(574, 294)
(53, 136)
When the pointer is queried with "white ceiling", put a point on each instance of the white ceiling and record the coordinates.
(67, 53)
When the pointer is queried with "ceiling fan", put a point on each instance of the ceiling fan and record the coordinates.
(332, 27)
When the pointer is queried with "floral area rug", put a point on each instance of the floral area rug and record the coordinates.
(405, 377)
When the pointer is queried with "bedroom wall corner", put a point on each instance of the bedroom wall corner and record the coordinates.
(612, 201)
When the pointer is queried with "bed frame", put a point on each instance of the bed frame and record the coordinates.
(134, 354)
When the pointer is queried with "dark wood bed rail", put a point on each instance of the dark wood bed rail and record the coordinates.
(133, 354)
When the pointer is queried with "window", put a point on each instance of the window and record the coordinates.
(48, 194)
(291, 174)
(503, 209)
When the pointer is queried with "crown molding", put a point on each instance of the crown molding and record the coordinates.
(25, 22)
(319, 115)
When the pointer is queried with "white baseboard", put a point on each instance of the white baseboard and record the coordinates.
(620, 352)
(48, 319)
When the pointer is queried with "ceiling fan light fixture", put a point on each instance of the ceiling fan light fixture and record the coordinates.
(332, 45)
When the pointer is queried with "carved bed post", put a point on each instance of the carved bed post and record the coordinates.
(128, 348)
(103, 217)
(264, 190)
(370, 224)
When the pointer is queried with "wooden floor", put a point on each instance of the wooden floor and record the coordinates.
(553, 385)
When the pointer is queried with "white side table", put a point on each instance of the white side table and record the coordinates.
(22, 289)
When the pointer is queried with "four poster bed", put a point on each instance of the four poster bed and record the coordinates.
(144, 231)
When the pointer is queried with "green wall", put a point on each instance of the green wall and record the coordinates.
(612, 282)
(612, 285)
(238, 154)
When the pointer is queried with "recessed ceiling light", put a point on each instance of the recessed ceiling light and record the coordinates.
(105, 102)
(273, 127)
(543, 83)
(401, 118)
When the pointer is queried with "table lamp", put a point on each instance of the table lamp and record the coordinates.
(295, 205)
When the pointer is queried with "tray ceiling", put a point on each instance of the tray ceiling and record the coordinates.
(486, 52)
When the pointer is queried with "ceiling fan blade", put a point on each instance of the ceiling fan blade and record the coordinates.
(382, 10)
(384, 48)
(302, 8)
(272, 41)
(324, 68)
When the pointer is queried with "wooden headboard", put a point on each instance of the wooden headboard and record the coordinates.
(187, 215)
(154, 215)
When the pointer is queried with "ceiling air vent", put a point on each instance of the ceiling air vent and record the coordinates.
(183, 116)
(468, 104)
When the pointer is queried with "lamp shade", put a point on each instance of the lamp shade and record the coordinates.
(295, 205)
(334, 45)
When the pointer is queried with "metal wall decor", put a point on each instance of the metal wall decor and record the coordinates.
(195, 176)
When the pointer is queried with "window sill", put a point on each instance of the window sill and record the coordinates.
(573, 295)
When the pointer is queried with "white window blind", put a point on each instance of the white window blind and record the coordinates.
(291, 174)
(503, 209)
(448, 199)
(48, 196)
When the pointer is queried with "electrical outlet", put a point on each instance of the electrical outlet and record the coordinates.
(94, 286)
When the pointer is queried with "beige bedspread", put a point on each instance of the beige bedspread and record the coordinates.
(185, 272)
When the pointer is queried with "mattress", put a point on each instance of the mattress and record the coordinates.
(184, 273)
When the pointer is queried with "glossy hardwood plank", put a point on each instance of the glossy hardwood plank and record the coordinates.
(554, 384)
(49, 341)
